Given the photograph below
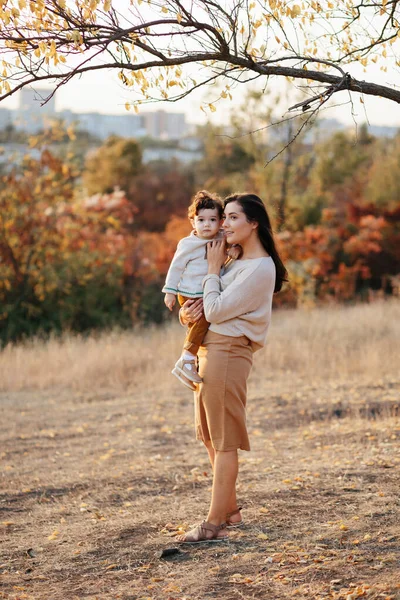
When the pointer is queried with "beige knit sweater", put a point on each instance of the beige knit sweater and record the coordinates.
(188, 266)
(239, 302)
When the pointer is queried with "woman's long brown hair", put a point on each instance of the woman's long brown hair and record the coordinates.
(255, 211)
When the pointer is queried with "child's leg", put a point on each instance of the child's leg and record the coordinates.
(186, 365)
(195, 333)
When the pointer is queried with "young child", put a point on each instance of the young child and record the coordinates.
(186, 272)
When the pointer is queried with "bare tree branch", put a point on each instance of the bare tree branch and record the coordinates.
(230, 39)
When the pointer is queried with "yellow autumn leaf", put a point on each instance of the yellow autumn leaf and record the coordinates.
(295, 11)
(212, 107)
(164, 9)
(107, 5)
(127, 106)
(214, 569)
(54, 535)
(262, 536)
(178, 17)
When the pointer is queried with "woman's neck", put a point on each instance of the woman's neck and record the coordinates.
(253, 248)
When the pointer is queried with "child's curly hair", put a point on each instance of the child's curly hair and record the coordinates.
(204, 199)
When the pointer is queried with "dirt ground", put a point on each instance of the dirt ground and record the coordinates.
(96, 485)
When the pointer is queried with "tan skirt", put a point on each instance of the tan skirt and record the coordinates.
(220, 402)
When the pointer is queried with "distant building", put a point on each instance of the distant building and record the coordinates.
(165, 125)
(35, 114)
(102, 126)
(320, 130)
(6, 117)
(168, 154)
(32, 114)
(32, 101)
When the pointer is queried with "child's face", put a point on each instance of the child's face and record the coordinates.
(207, 223)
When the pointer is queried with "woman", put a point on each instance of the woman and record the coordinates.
(238, 307)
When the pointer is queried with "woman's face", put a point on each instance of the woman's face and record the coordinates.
(237, 229)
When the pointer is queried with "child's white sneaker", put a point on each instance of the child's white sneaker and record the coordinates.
(189, 384)
(187, 368)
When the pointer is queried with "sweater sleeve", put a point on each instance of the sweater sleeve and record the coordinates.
(240, 297)
(177, 267)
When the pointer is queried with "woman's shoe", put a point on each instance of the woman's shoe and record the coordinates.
(205, 532)
(230, 523)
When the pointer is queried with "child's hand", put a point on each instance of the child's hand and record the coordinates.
(170, 300)
(235, 251)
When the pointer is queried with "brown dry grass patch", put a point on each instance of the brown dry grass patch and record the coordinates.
(100, 468)
(330, 343)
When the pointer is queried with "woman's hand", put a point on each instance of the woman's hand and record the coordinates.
(191, 311)
(216, 255)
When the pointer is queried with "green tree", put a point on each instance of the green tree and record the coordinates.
(383, 186)
(339, 158)
(112, 165)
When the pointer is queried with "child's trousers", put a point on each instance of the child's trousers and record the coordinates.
(195, 331)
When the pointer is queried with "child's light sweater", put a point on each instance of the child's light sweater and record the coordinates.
(240, 301)
(188, 267)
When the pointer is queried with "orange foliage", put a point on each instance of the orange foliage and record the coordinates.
(338, 260)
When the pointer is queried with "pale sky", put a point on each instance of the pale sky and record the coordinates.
(102, 92)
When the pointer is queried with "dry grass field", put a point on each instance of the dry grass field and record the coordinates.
(100, 468)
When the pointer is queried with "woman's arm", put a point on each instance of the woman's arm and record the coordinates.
(243, 295)
(216, 256)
